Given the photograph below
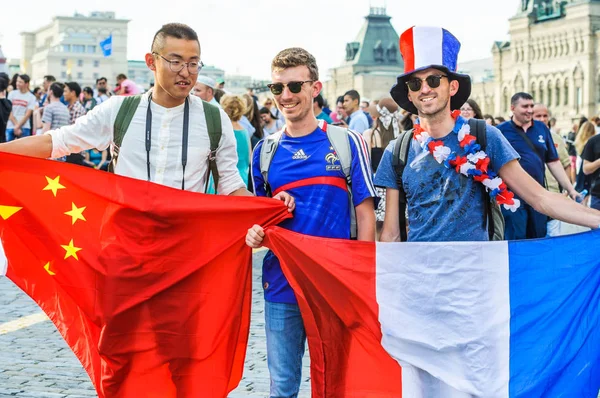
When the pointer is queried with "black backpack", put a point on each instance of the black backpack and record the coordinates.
(493, 219)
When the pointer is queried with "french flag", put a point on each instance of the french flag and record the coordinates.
(448, 319)
(423, 46)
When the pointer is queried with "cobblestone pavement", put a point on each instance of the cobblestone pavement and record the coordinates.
(36, 362)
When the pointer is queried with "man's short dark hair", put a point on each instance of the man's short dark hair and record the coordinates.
(3, 83)
(49, 78)
(319, 100)
(88, 90)
(57, 89)
(340, 99)
(353, 94)
(100, 79)
(121, 76)
(25, 78)
(176, 30)
(74, 86)
(518, 96)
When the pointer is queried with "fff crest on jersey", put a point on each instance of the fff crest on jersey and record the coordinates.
(331, 158)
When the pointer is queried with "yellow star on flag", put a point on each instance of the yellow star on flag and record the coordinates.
(7, 211)
(53, 185)
(76, 213)
(71, 251)
(47, 268)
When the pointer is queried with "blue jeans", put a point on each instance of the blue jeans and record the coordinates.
(286, 343)
(595, 202)
(10, 134)
(525, 223)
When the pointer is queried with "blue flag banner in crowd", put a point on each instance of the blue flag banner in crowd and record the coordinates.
(106, 46)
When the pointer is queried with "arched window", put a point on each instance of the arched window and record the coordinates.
(541, 93)
(566, 93)
(550, 97)
(557, 99)
(506, 100)
(533, 92)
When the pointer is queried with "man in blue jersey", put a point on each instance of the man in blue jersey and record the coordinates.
(306, 166)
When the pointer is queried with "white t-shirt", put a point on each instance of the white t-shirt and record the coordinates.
(95, 130)
(21, 102)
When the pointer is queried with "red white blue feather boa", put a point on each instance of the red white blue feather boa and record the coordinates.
(475, 162)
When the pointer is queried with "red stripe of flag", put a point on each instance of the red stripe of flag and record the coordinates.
(407, 49)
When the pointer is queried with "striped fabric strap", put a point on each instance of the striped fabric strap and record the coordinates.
(333, 181)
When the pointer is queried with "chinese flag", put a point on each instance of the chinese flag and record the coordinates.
(150, 286)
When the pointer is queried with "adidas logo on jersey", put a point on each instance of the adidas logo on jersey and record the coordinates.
(300, 155)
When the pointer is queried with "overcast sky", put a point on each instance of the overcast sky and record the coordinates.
(242, 36)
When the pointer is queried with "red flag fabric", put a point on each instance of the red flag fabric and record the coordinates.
(336, 292)
(150, 286)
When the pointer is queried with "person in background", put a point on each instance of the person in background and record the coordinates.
(235, 107)
(5, 107)
(205, 89)
(470, 110)
(274, 111)
(541, 114)
(89, 102)
(318, 109)
(499, 119)
(251, 120)
(23, 105)
(125, 86)
(221, 84)
(357, 120)
(489, 119)
(270, 123)
(102, 95)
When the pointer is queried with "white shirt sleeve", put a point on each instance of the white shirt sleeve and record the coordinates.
(93, 130)
(229, 176)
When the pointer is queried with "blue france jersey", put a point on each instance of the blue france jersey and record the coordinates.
(319, 188)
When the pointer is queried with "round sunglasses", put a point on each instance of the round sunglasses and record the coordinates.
(295, 87)
(433, 81)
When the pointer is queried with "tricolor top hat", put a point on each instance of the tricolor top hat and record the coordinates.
(424, 47)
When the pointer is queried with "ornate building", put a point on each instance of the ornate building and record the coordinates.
(554, 54)
(372, 60)
(69, 49)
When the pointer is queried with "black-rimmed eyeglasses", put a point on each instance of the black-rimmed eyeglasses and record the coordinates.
(176, 66)
(295, 87)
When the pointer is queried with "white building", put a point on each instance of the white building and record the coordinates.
(69, 49)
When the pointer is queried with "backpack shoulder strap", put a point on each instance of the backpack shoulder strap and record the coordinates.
(124, 116)
(340, 141)
(213, 125)
(478, 127)
(267, 151)
(399, 159)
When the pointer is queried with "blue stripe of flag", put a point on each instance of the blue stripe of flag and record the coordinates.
(555, 317)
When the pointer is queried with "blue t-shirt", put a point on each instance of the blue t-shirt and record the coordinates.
(443, 205)
(321, 209)
(358, 122)
(541, 138)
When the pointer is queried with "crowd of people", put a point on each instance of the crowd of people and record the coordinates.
(342, 171)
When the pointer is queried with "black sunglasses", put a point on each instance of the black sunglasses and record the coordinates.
(433, 81)
(295, 87)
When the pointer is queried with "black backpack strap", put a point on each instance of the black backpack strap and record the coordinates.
(399, 159)
(478, 130)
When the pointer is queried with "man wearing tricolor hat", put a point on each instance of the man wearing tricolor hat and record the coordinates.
(443, 172)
